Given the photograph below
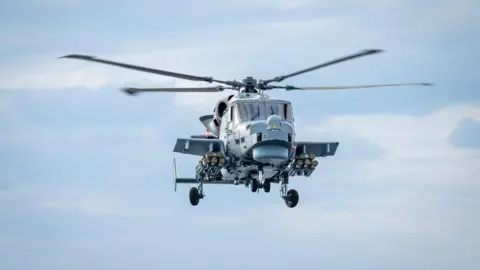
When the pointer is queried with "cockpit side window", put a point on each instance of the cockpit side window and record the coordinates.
(289, 113)
(234, 114)
(224, 123)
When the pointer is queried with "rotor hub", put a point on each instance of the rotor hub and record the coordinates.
(250, 81)
(249, 84)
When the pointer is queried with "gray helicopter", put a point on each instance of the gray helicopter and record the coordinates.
(250, 137)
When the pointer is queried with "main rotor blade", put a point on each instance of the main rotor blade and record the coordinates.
(335, 61)
(144, 69)
(132, 91)
(291, 87)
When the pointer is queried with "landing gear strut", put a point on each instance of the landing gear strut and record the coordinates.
(196, 193)
(291, 196)
(260, 183)
(253, 184)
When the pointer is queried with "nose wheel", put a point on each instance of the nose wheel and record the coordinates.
(260, 183)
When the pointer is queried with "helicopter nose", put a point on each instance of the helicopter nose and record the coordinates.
(274, 122)
(273, 146)
(270, 153)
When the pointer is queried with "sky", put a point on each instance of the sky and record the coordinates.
(86, 171)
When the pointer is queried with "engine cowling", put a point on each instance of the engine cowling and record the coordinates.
(220, 108)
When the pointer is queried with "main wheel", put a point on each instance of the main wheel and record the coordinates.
(266, 186)
(292, 198)
(254, 185)
(194, 196)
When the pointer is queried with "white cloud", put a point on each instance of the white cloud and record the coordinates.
(55, 139)
(385, 214)
(417, 147)
(404, 136)
(101, 206)
(48, 72)
(273, 4)
(222, 57)
(217, 52)
(7, 108)
(371, 219)
(283, 5)
(56, 3)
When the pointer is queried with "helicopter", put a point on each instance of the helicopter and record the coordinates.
(250, 138)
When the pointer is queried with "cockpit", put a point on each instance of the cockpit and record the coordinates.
(261, 110)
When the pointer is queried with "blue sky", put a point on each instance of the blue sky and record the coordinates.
(85, 180)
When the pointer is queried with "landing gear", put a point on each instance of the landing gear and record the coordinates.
(291, 196)
(208, 169)
(196, 193)
(254, 185)
(260, 183)
(266, 186)
(194, 196)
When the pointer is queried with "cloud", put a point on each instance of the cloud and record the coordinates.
(7, 109)
(416, 147)
(404, 136)
(57, 3)
(466, 134)
(92, 207)
(221, 57)
(271, 48)
(282, 5)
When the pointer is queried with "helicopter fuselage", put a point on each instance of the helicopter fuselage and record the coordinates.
(258, 133)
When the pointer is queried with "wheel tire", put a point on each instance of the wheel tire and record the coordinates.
(194, 198)
(266, 186)
(254, 185)
(292, 198)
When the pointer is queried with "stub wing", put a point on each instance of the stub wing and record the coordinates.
(198, 147)
(319, 149)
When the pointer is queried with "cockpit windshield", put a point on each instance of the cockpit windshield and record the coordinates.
(251, 111)
(274, 108)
